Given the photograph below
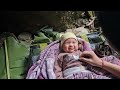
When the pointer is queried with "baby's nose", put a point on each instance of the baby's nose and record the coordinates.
(71, 44)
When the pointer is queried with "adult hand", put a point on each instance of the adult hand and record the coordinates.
(91, 58)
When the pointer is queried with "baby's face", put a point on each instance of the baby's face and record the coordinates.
(70, 45)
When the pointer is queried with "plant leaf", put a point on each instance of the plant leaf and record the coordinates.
(18, 56)
(2, 64)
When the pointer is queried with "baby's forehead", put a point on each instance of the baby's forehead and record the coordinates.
(71, 39)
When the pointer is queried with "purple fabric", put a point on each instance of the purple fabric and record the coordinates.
(112, 59)
(96, 72)
(38, 69)
(87, 75)
(86, 45)
(50, 68)
(51, 51)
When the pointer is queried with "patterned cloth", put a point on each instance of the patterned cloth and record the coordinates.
(39, 69)
(112, 59)
(96, 72)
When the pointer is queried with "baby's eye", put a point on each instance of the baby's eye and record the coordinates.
(74, 42)
(67, 42)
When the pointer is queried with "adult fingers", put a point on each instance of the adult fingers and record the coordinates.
(85, 59)
(86, 54)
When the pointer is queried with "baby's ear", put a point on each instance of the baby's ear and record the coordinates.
(80, 47)
(79, 42)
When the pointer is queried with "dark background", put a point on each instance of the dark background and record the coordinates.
(19, 21)
(110, 22)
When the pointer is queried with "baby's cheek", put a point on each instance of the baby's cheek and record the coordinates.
(65, 48)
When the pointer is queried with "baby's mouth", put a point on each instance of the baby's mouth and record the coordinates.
(71, 48)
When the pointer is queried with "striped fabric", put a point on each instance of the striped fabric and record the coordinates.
(38, 70)
(95, 72)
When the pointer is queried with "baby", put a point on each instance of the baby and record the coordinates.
(68, 61)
